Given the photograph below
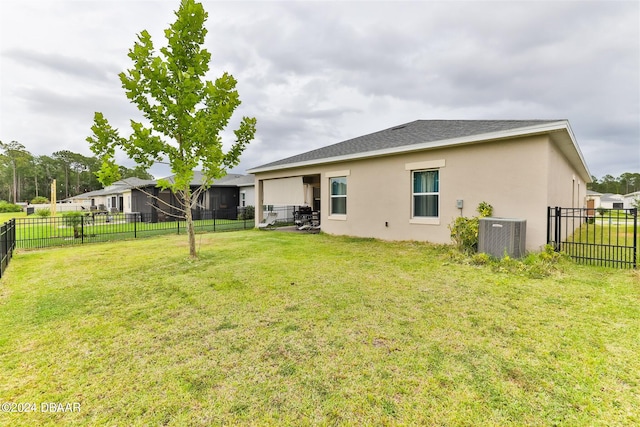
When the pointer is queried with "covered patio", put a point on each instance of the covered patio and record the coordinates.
(294, 199)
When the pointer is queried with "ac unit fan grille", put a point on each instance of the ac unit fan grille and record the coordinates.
(500, 236)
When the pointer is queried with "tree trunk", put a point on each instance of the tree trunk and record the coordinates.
(189, 219)
(66, 182)
(15, 183)
(77, 181)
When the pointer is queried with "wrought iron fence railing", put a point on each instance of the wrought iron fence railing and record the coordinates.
(88, 227)
(607, 237)
(7, 244)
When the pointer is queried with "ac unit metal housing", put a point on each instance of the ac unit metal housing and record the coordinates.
(500, 236)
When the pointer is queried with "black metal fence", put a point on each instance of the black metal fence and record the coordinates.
(607, 237)
(7, 244)
(36, 232)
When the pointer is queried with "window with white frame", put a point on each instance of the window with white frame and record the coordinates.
(338, 188)
(243, 199)
(426, 193)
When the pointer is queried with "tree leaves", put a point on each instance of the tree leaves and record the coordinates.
(185, 112)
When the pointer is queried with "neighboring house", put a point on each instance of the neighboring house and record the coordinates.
(407, 182)
(246, 189)
(629, 200)
(137, 195)
(593, 202)
(115, 197)
(611, 201)
(593, 199)
(223, 197)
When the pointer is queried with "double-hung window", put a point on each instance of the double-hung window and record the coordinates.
(338, 188)
(426, 194)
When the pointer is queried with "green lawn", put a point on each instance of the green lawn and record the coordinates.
(6, 216)
(273, 328)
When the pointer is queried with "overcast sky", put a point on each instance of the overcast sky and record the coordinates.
(317, 73)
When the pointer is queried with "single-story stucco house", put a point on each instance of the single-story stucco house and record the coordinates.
(611, 201)
(130, 195)
(411, 181)
(114, 198)
(630, 200)
(593, 199)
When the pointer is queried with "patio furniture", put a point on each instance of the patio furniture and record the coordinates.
(269, 222)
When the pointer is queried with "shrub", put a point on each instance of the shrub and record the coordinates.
(534, 265)
(484, 209)
(40, 200)
(248, 212)
(73, 219)
(43, 212)
(481, 259)
(464, 231)
(9, 207)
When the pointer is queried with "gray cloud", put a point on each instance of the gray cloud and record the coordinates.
(65, 65)
(317, 73)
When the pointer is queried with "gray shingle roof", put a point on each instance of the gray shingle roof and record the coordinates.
(230, 180)
(116, 188)
(417, 132)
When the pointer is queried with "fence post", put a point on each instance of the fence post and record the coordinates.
(13, 234)
(548, 225)
(135, 226)
(634, 212)
(3, 251)
(82, 229)
(558, 229)
(214, 219)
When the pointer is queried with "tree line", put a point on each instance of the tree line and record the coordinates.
(25, 176)
(626, 183)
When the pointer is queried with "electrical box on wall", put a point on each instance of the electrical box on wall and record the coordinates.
(459, 203)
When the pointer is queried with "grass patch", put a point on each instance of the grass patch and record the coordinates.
(6, 216)
(288, 329)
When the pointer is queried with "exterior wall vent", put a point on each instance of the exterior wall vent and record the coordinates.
(497, 236)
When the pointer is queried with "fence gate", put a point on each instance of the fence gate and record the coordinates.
(607, 237)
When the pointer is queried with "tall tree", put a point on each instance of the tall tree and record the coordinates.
(15, 156)
(629, 182)
(136, 172)
(48, 169)
(185, 112)
(65, 159)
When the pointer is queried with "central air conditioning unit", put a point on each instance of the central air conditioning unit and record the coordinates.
(500, 236)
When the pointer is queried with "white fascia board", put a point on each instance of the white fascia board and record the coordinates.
(471, 139)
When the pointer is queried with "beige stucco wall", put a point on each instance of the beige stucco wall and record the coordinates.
(511, 175)
(565, 187)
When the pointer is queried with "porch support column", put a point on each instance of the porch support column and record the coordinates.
(259, 198)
